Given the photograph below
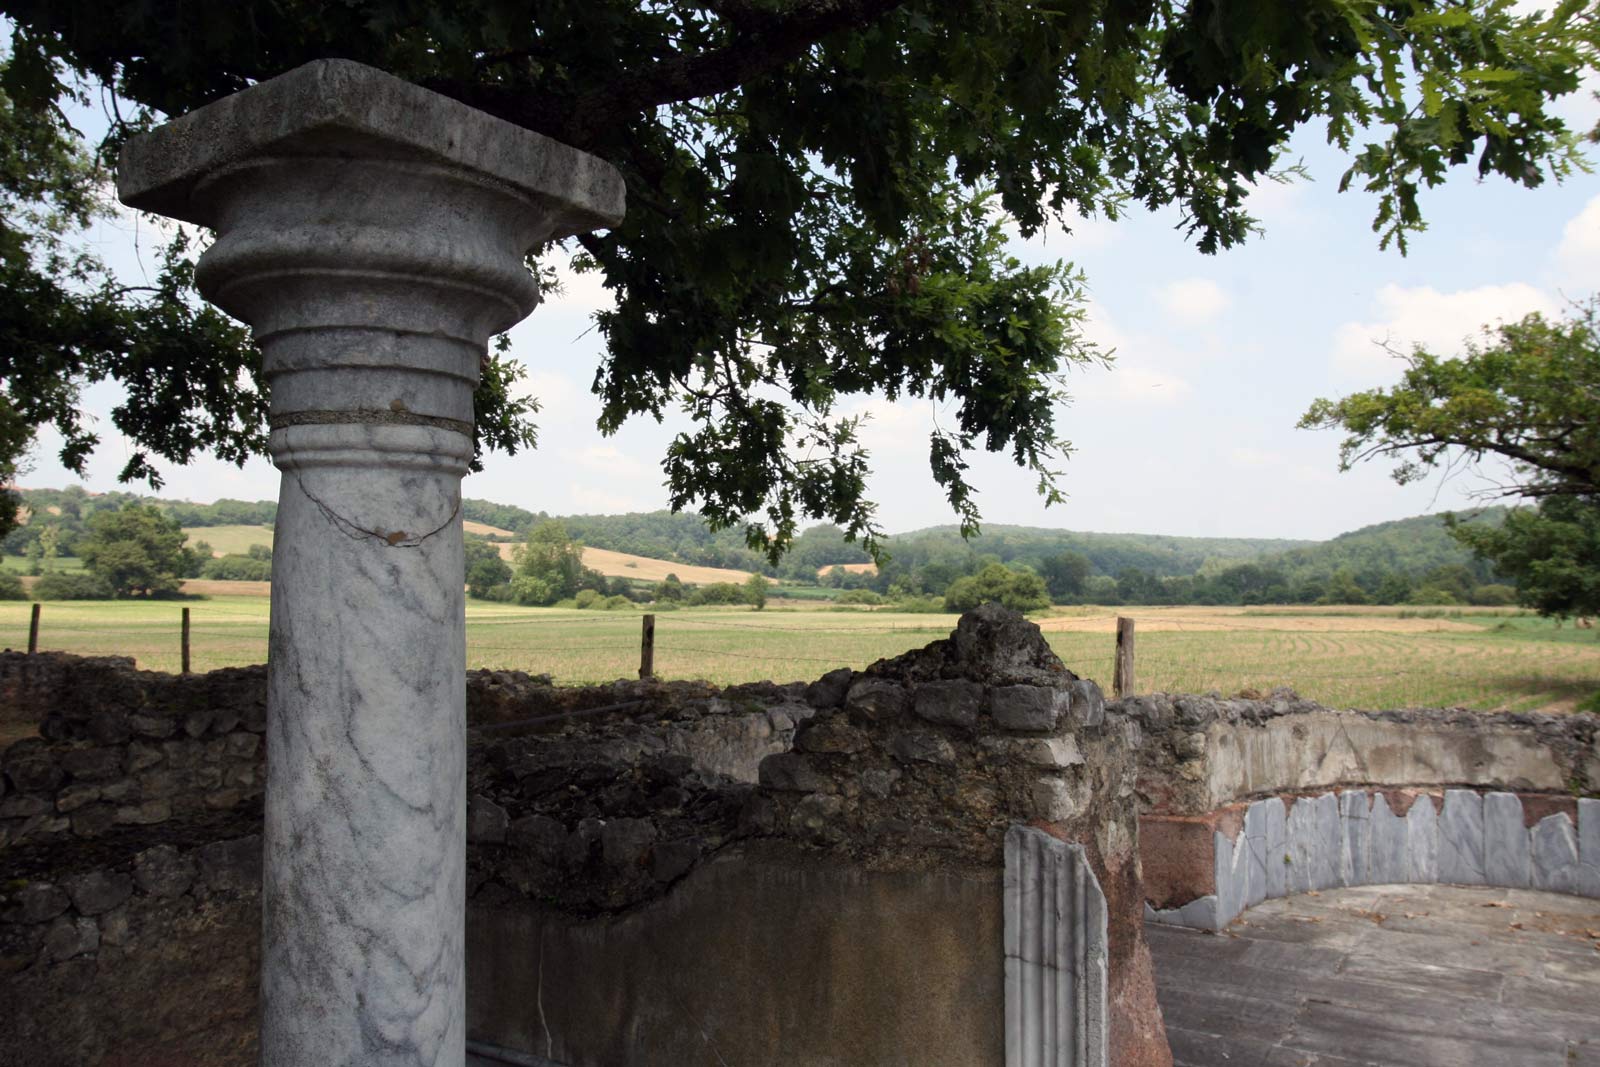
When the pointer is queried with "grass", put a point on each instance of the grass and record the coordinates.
(1370, 660)
(21, 564)
(226, 540)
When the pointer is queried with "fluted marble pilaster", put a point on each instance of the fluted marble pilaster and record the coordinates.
(373, 235)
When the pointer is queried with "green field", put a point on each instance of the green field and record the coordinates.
(1358, 658)
(230, 539)
(22, 564)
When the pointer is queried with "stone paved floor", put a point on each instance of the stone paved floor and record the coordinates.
(1388, 976)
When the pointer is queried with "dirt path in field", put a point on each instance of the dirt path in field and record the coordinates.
(1212, 620)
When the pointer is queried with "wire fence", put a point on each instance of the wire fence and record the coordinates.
(1347, 667)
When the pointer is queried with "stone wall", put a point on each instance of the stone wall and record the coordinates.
(1245, 800)
(680, 852)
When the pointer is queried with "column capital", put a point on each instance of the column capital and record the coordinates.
(374, 234)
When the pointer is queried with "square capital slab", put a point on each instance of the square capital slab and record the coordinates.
(339, 108)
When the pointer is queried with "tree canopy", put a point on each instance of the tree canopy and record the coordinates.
(1528, 394)
(819, 190)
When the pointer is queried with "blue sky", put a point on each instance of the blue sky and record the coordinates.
(1191, 432)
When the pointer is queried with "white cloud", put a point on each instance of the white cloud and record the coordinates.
(1578, 254)
(1424, 316)
(588, 500)
(611, 462)
(1194, 300)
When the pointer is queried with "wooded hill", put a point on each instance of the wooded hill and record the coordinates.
(1140, 567)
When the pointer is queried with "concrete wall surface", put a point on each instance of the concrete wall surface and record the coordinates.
(757, 954)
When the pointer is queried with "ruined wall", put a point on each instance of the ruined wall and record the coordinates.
(845, 909)
(832, 849)
(1247, 800)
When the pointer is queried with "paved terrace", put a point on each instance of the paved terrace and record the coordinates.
(1388, 976)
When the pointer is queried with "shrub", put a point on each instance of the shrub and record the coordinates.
(11, 587)
(859, 596)
(81, 586)
(586, 599)
(612, 603)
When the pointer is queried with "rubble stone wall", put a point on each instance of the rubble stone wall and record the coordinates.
(850, 831)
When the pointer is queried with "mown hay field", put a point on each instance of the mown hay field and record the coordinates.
(229, 539)
(1367, 658)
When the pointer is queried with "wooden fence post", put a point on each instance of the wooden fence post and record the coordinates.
(1122, 684)
(33, 629)
(185, 640)
(647, 648)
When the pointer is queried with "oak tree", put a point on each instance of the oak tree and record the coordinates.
(819, 190)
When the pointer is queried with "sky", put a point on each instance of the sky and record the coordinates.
(1191, 431)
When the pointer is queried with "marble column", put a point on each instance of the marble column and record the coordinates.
(373, 234)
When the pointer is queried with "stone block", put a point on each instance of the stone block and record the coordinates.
(1275, 827)
(76, 796)
(1048, 752)
(1355, 831)
(19, 807)
(949, 703)
(1254, 839)
(912, 747)
(1088, 703)
(92, 764)
(93, 820)
(625, 843)
(1233, 876)
(1461, 838)
(829, 690)
(833, 735)
(152, 726)
(1386, 864)
(815, 814)
(539, 835)
(1028, 708)
(231, 865)
(37, 902)
(140, 757)
(1422, 842)
(34, 773)
(1555, 854)
(68, 938)
(876, 699)
(146, 814)
(1507, 847)
(99, 891)
(789, 772)
(1052, 800)
(242, 745)
(1314, 844)
(486, 821)
(159, 783)
(879, 782)
(1589, 847)
(108, 728)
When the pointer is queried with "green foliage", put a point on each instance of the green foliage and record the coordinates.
(11, 587)
(755, 591)
(817, 190)
(1018, 590)
(1552, 552)
(716, 593)
(1527, 395)
(236, 568)
(136, 551)
(488, 576)
(549, 567)
(72, 586)
(859, 596)
(669, 590)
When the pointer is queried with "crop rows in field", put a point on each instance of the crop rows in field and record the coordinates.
(1466, 665)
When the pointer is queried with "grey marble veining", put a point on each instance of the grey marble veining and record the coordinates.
(1056, 960)
(1387, 849)
(373, 235)
(1461, 838)
(1507, 855)
(1555, 854)
(1355, 838)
